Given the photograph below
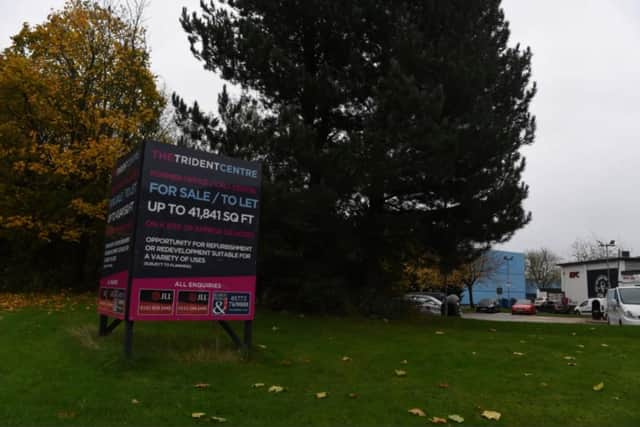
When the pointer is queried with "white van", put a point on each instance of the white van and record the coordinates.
(623, 305)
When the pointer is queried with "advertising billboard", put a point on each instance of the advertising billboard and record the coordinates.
(193, 228)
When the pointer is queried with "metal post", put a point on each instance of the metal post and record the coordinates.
(508, 259)
(102, 331)
(606, 252)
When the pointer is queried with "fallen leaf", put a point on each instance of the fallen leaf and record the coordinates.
(578, 351)
(569, 358)
(573, 334)
(417, 411)
(198, 414)
(219, 419)
(457, 418)
(322, 395)
(517, 353)
(353, 395)
(346, 359)
(135, 401)
(523, 342)
(605, 345)
(258, 385)
(443, 385)
(438, 420)
(571, 363)
(473, 353)
(404, 362)
(543, 384)
(615, 397)
(527, 374)
(274, 328)
(276, 389)
(492, 330)
(491, 415)
(581, 345)
(592, 329)
(401, 373)
(66, 414)
(439, 333)
(261, 346)
(598, 387)
(201, 385)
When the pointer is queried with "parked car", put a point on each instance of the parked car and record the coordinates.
(523, 306)
(585, 307)
(488, 305)
(623, 305)
(539, 301)
(424, 303)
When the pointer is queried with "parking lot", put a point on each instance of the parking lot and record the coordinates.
(538, 318)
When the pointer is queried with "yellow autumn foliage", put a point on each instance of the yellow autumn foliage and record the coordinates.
(76, 92)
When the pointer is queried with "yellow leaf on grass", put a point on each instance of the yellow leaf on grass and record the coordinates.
(276, 389)
(135, 401)
(543, 384)
(353, 395)
(571, 363)
(219, 419)
(517, 353)
(201, 385)
(404, 362)
(258, 385)
(198, 415)
(581, 345)
(569, 358)
(439, 333)
(261, 346)
(400, 372)
(604, 345)
(438, 420)
(417, 411)
(491, 415)
(457, 418)
(598, 387)
(346, 359)
(443, 385)
(274, 328)
(527, 374)
(322, 395)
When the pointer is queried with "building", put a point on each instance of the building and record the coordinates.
(591, 279)
(504, 278)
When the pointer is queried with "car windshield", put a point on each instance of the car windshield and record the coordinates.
(523, 301)
(630, 295)
(485, 302)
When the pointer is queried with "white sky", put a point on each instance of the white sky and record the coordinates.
(586, 63)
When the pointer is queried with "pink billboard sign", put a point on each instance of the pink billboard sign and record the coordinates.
(181, 237)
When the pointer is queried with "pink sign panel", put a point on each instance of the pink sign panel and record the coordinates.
(193, 298)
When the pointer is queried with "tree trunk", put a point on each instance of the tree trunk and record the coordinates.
(470, 287)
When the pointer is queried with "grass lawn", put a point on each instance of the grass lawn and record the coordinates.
(55, 370)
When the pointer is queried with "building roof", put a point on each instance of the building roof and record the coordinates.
(598, 261)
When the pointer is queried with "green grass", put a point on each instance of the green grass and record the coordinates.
(55, 370)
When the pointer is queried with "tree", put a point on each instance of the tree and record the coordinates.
(541, 267)
(76, 92)
(392, 127)
(482, 268)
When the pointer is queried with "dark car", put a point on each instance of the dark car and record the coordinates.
(488, 305)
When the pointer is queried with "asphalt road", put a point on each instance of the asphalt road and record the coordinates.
(538, 318)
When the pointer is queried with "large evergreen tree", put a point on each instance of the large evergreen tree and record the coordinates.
(385, 128)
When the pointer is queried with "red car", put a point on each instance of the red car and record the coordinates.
(523, 306)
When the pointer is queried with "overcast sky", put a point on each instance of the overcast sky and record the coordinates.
(584, 166)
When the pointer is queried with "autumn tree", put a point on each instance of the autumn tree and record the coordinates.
(481, 268)
(76, 92)
(392, 128)
(541, 267)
